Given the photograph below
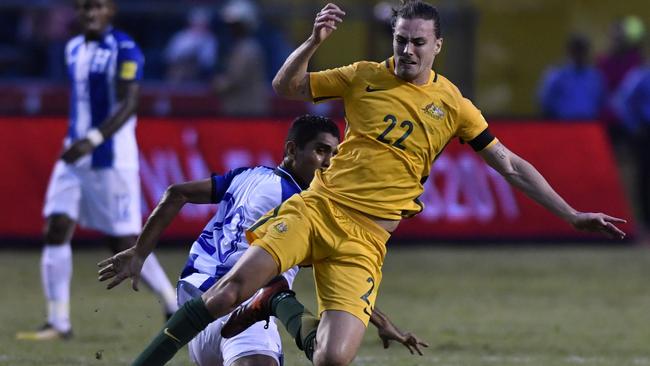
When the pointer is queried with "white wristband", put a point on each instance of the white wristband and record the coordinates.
(95, 137)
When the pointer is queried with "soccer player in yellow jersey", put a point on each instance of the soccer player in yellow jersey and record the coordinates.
(400, 116)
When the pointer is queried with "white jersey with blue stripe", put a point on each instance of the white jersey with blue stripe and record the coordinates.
(243, 195)
(94, 68)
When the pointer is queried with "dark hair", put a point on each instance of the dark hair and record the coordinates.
(79, 3)
(305, 128)
(578, 43)
(416, 9)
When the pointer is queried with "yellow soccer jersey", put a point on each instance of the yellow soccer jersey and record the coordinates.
(394, 132)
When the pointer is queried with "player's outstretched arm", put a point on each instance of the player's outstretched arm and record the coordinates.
(389, 332)
(128, 263)
(127, 93)
(524, 176)
(292, 80)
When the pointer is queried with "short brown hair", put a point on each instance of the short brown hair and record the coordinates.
(416, 9)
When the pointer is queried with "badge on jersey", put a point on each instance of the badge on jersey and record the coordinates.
(434, 111)
(281, 227)
(129, 70)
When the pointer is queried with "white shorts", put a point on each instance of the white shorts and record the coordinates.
(208, 348)
(106, 200)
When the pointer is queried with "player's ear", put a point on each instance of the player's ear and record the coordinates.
(112, 7)
(438, 46)
(290, 150)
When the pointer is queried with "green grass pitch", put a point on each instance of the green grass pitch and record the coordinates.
(489, 306)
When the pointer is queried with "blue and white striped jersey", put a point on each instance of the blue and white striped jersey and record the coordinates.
(243, 195)
(94, 68)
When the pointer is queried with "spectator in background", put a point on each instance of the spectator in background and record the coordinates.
(192, 52)
(631, 104)
(625, 115)
(43, 34)
(624, 54)
(277, 46)
(625, 51)
(243, 86)
(574, 90)
(58, 30)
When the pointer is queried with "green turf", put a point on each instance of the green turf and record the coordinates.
(504, 306)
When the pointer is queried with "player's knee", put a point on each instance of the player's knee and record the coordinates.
(223, 297)
(58, 229)
(330, 357)
(255, 360)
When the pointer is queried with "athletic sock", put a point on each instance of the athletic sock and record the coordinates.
(184, 325)
(56, 273)
(156, 278)
(299, 322)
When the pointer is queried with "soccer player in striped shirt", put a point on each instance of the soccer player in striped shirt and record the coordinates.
(243, 195)
(96, 181)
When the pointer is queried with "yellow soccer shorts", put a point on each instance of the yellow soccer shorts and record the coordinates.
(345, 248)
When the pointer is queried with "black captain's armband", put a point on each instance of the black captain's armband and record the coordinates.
(481, 141)
(213, 190)
(322, 99)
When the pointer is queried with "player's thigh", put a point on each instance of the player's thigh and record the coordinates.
(205, 347)
(111, 201)
(58, 229)
(347, 286)
(338, 339)
(257, 343)
(284, 233)
(256, 360)
(349, 276)
(63, 194)
(253, 270)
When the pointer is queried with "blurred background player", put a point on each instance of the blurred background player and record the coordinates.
(632, 105)
(624, 54)
(191, 54)
(242, 86)
(243, 196)
(574, 90)
(95, 182)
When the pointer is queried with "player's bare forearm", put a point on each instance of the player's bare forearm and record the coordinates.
(175, 197)
(534, 185)
(378, 318)
(525, 177)
(292, 80)
(127, 94)
(128, 263)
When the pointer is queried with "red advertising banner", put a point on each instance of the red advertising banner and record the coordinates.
(464, 198)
